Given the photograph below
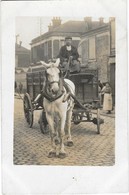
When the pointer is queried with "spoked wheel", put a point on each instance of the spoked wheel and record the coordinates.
(43, 123)
(98, 121)
(76, 119)
(28, 110)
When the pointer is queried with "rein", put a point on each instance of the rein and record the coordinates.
(53, 82)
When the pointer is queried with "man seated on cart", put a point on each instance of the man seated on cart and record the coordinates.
(69, 57)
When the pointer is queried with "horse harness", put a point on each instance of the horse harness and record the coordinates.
(64, 90)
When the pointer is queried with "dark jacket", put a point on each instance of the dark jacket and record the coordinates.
(65, 54)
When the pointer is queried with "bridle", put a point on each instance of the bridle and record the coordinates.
(47, 90)
(52, 82)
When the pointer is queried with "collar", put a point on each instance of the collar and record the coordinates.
(49, 97)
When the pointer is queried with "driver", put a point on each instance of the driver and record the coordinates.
(69, 57)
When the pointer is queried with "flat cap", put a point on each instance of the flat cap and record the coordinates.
(68, 37)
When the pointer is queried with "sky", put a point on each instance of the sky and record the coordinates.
(29, 28)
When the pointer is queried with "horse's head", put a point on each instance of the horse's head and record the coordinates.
(53, 76)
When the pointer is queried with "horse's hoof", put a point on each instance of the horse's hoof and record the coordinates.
(70, 143)
(51, 154)
(62, 155)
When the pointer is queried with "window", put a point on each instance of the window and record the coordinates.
(92, 49)
(45, 49)
(55, 48)
(62, 43)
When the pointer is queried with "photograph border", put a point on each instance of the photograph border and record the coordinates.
(24, 179)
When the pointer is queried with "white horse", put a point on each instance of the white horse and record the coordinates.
(58, 107)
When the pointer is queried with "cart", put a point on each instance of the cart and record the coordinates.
(86, 97)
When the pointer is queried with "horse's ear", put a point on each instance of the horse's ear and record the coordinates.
(57, 62)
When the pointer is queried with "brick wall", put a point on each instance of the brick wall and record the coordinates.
(84, 52)
(102, 52)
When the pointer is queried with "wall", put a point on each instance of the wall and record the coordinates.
(113, 40)
(22, 56)
(23, 60)
(84, 52)
(102, 55)
(112, 63)
(97, 54)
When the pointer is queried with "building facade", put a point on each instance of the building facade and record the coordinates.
(22, 56)
(95, 41)
(97, 50)
(111, 61)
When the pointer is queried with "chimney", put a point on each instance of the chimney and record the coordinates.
(101, 21)
(88, 21)
(17, 38)
(20, 43)
(56, 21)
(50, 27)
(111, 19)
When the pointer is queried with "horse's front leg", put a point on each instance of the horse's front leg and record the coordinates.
(62, 153)
(50, 120)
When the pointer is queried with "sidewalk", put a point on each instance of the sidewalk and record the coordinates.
(104, 113)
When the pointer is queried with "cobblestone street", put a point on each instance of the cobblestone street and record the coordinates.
(31, 147)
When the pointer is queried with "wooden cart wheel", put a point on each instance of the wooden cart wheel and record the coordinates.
(43, 123)
(77, 119)
(28, 110)
(98, 120)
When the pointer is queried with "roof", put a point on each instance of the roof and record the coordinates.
(21, 49)
(105, 27)
(69, 28)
